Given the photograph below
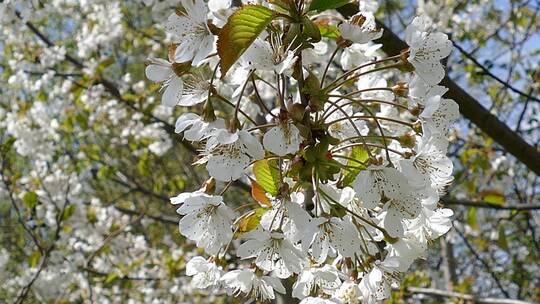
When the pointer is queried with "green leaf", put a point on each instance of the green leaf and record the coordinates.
(329, 31)
(251, 222)
(111, 277)
(493, 197)
(502, 242)
(242, 28)
(30, 200)
(267, 175)
(322, 5)
(358, 156)
(471, 218)
(34, 258)
(68, 212)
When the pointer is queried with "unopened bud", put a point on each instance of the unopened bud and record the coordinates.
(343, 43)
(405, 65)
(284, 190)
(233, 125)
(209, 186)
(358, 20)
(417, 127)
(297, 112)
(401, 89)
(283, 114)
(416, 111)
(407, 140)
(172, 51)
(208, 112)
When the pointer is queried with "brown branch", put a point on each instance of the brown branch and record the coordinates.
(490, 74)
(487, 267)
(469, 107)
(521, 207)
(162, 219)
(437, 293)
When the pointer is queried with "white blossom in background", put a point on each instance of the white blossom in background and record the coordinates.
(191, 31)
(346, 171)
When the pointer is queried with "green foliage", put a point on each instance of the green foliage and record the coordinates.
(242, 28)
(68, 212)
(329, 31)
(354, 165)
(267, 175)
(323, 5)
(30, 200)
(471, 218)
(34, 258)
(502, 242)
(251, 221)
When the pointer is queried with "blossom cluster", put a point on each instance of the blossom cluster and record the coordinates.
(344, 148)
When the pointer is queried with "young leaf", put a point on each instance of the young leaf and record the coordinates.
(358, 156)
(493, 197)
(327, 30)
(471, 218)
(501, 240)
(30, 199)
(322, 5)
(257, 192)
(251, 221)
(239, 33)
(267, 175)
(34, 258)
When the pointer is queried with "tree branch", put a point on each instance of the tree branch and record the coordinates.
(469, 107)
(467, 297)
(493, 275)
(521, 207)
(490, 74)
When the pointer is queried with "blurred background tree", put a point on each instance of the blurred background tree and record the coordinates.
(89, 157)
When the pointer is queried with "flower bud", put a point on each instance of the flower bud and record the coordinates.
(416, 111)
(209, 187)
(343, 43)
(208, 114)
(233, 124)
(417, 127)
(407, 140)
(358, 20)
(401, 89)
(297, 112)
(405, 65)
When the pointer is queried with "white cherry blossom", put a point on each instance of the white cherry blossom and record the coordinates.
(207, 220)
(272, 252)
(324, 278)
(261, 55)
(230, 153)
(162, 71)
(326, 237)
(195, 128)
(288, 215)
(427, 49)
(376, 182)
(361, 29)
(191, 31)
(282, 139)
(205, 274)
(247, 282)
